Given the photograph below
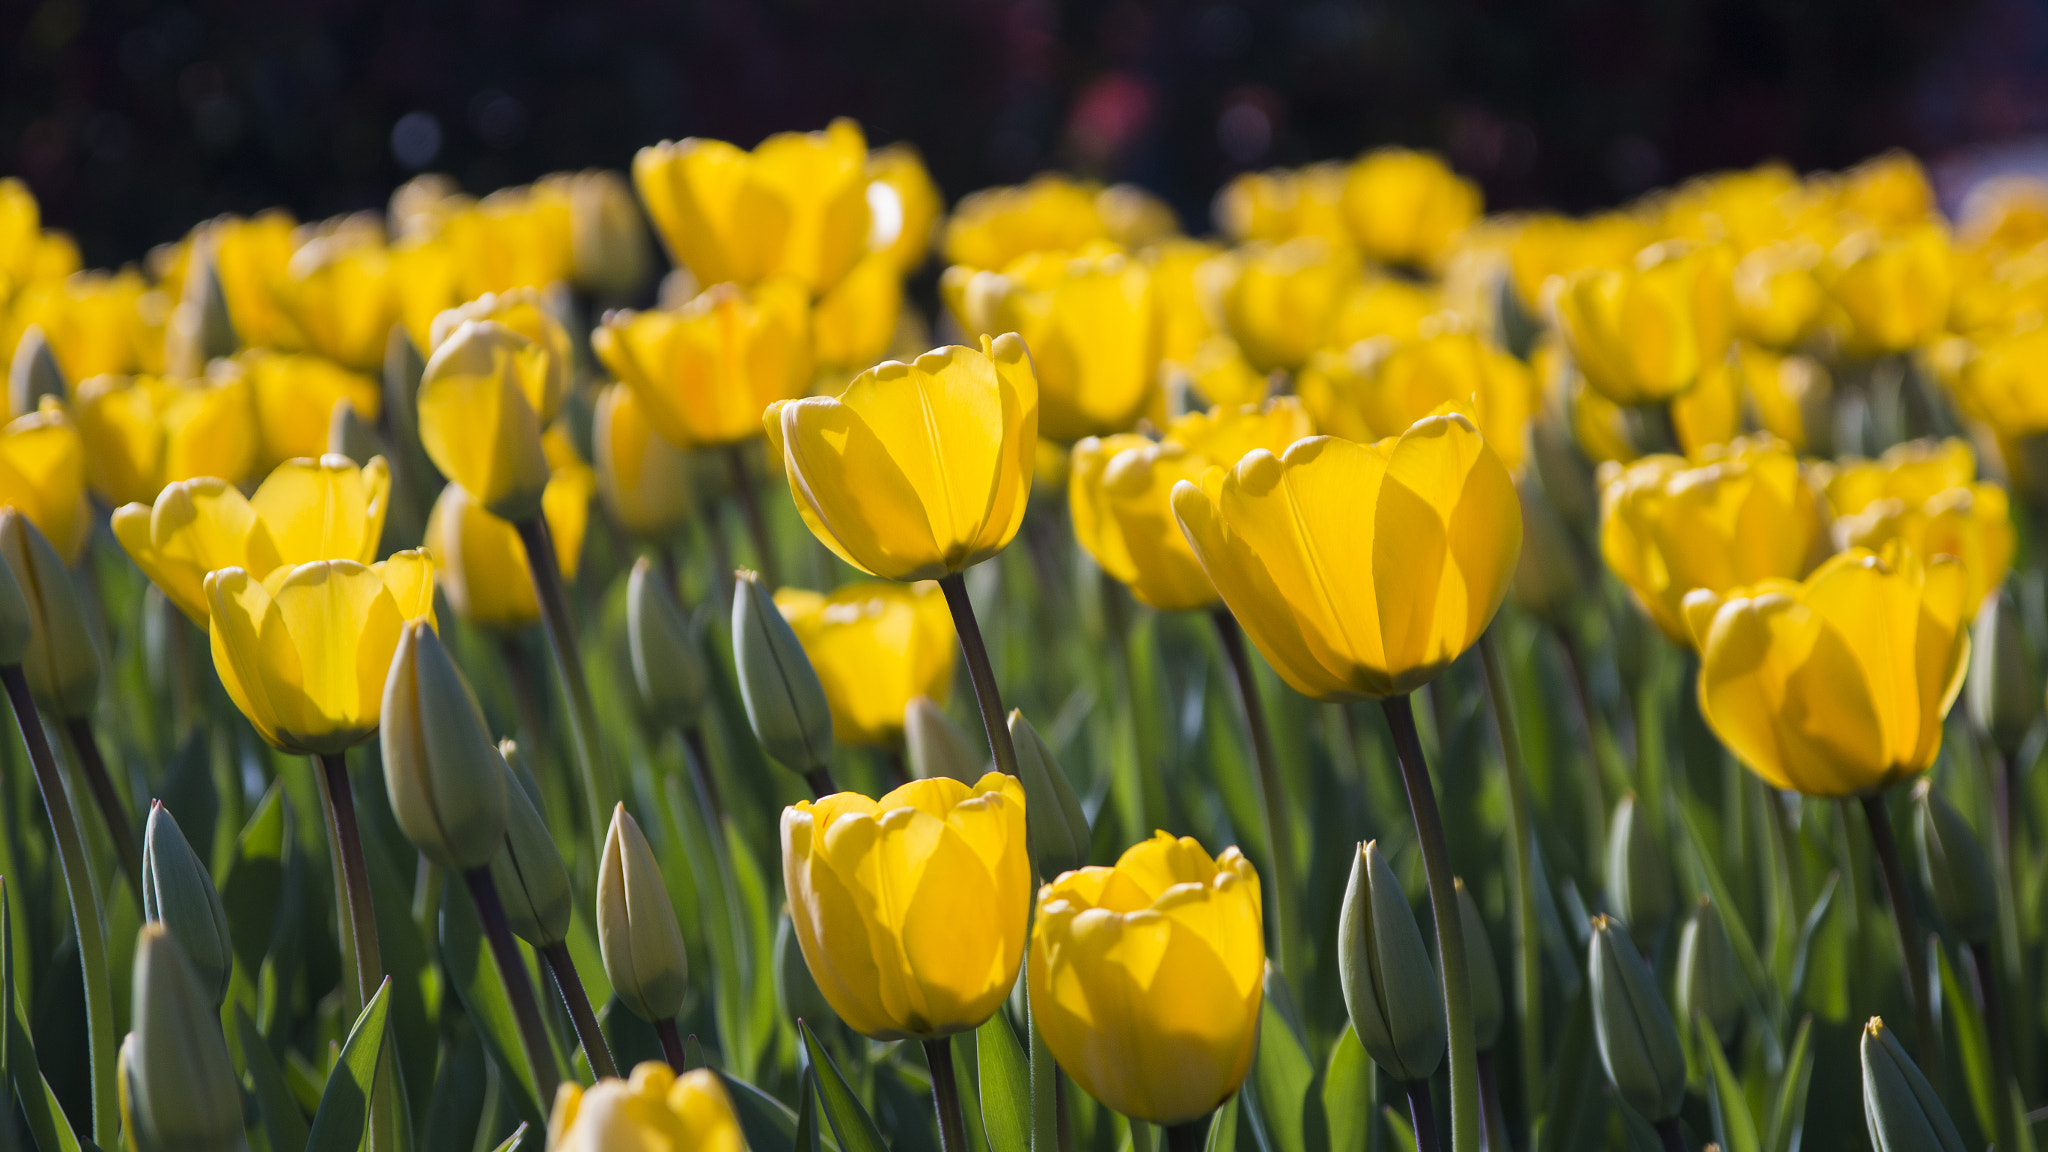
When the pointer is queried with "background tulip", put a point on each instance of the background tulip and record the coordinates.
(875, 646)
(1893, 289)
(478, 418)
(442, 771)
(1643, 334)
(643, 479)
(295, 396)
(142, 433)
(62, 662)
(1926, 496)
(182, 1086)
(1380, 387)
(1407, 207)
(42, 473)
(481, 562)
(703, 372)
(1281, 301)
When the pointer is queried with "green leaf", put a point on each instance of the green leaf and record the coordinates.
(512, 1142)
(47, 1123)
(1397, 1120)
(1281, 1074)
(283, 1123)
(806, 1114)
(1349, 1091)
(1976, 1050)
(766, 1122)
(345, 1104)
(455, 1106)
(1738, 932)
(850, 1122)
(1005, 1086)
(1788, 1109)
(1223, 1127)
(1732, 1120)
(1820, 968)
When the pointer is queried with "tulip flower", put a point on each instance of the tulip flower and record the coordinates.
(1407, 207)
(1147, 978)
(855, 322)
(1925, 494)
(1378, 387)
(545, 365)
(1639, 1043)
(481, 561)
(42, 473)
(142, 433)
(1051, 213)
(916, 471)
(178, 893)
(1388, 306)
(1281, 204)
(656, 1109)
(1184, 320)
(703, 373)
(1893, 289)
(1778, 295)
(1280, 301)
(478, 416)
(514, 238)
(1550, 248)
(637, 931)
(1901, 1111)
(339, 293)
(875, 646)
(903, 206)
(1389, 980)
(911, 909)
(609, 253)
(1643, 334)
(2002, 691)
(1889, 190)
(295, 397)
(2002, 380)
(62, 664)
(643, 479)
(442, 772)
(95, 323)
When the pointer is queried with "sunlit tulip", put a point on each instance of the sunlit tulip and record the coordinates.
(1837, 685)
(992, 227)
(1407, 207)
(303, 652)
(97, 323)
(339, 292)
(1788, 394)
(1669, 525)
(1147, 978)
(1892, 288)
(1778, 294)
(609, 252)
(704, 372)
(1547, 248)
(1889, 191)
(903, 206)
(142, 433)
(294, 396)
(875, 646)
(1283, 203)
(1377, 388)
(1385, 306)
(643, 479)
(1360, 570)
(1218, 373)
(42, 473)
(2003, 380)
(917, 470)
(2004, 215)
(911, 909)
(1747, 208)
(855, 321)
(252, 258)
(514, 238)
(1643, 334)
(477, 418)
(481, 562)
(1926, 495)
(654, 1111)
(1280, 301)
(546, 366)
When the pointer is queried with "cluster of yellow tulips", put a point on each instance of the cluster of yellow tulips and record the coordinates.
(1743, 475)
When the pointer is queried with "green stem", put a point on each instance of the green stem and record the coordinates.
(994, 720)
(672, 1046)
(598, 791)
(1668, 1133)
(1998, 1039)
(750, 508)
(533, 1035)
(1493, 1122)
(1421, 1115)
(85, 908)
(1528, 961)
(1910, 943)
(946, 1095)
(1190, 1136)
(1272, 796)
(1046, 1101)
(562, 970)
(361, 924)
(1589, 720)
(1450, 926)
(112, 809)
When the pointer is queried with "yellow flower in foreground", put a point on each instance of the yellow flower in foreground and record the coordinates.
(1925, 494)
(919, 470)
(1360, 570)
(1378, 387)
(704, 372)
(1147, 978)
(911, 909)
(142, 432)
(1643, 334)
(644, 479)
(654, 1111)
(481, 561)
(875, 646)
(42, 473)
(303, 652)
(1838, 685)
(295, 397)
(1407, 207)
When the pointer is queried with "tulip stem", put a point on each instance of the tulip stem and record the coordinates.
(1272, 795)
(112, 809)
(750, 508)
(1450, 925)
(569, 985)
(1915, 953)
(1189, 1136)
(946, 1095)
(1589, 719)
(672, 1046)
(540, 1052)
(85, 908)
(993, 719)
(1667, 1131)
(598, 792)
(1493, 1122)
(1528, 961)
(361, 925)
(1421, 1114)
(1990, 1007)
(820, 780)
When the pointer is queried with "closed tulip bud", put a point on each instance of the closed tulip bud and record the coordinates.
(1901, 1110)
(936, 746)
(656, 1108)
(1638, 874)
(1488, 1008)
(528, 870)
(667, 666)
(34, 373)
(1710, 985)
(203, 327)
(1390, 982)
(1059, 825)
(61, 664)
(643, 479)
(16, 624)
(441, 767)
(42, 474)
(636, 925)
(184, 1094)
(786, 704)
(403, 369)
(875, 645)
(1638, 1042)
(798, 992)
(2002, 691)
(178, 893)
(1552, 573)
(477, 421)
(609, 252)
(1953, 863)
(704, 371)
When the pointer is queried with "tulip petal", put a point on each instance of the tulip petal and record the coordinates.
(254, 655)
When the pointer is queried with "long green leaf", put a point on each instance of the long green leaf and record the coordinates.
(1223, 1127)
(806, 1114)
(1281, 1074)
(1349, 1093)
(1738, 932)
(345, 1104)
(1788, 1110)
(1970, 1037)
(283, 1123)
(455, 1106)
(767, 1123)
(473, 974)
(850, 1122)
(1737, 1128)
(1005, 1086)
(47, 1123)
(513, 1142)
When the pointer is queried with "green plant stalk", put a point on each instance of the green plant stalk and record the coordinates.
(1990, 1005)
(994, 721)
(946, 1095)
(672, 1046)
(1910, 942)
(599, 792)
(1589, 720)
(562, 970)
(93, 767)
(1668, 1133)
(85, 910)
(533, 1035)
(750, 509)
(1272, 796)
(358, 919)
(1189, 1136)
(1493, 1123)
(1048, 1104)
(1140, 797)
(1528, 960)
(1450, 926)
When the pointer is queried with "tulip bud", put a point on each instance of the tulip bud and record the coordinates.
(2002, 692)
(178, 893)
(477, 422)
(1638, 1042)
(441, 768)
(15, 622)
(1709, 979)
(403, 369)
(1952, 862)
(801, 999)
(1058, 824)
(61, 664)
(785, 700)
(532, 881)
(185, 1095)
(1390, 983)
(348, 436)
(1552, 572)
(1638, 876)
(34, 373)
(636, 925)
(937, 747)
(1900, 1108)
(666, 663)
(1481, 973)
(209, 328)
(609, 251)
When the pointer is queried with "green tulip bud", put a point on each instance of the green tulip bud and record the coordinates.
(348, 435)
(1552, 572)
(1638, 1042)
(441, 768)
(184, 1094)
(637, 931)
(1058, 825)
(532, 881)
(1390, 983)
(403, 369)
(1638, 875)
(936, 746)
(61, 664)
(1481, 973)
(1566, 473)
(1709, 978)
(212, 332)
(785, 701)
(178, 893)
(1900, 1107)
(16, 624)
(801, 999)
(667, 665)
(1952, 862)
(34, 373)
(2002, 693)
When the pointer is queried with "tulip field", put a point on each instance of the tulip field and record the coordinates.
(746, 655)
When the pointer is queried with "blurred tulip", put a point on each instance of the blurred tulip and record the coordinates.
(643, 479)
(339, 293)
(514, 238)
(1488, 1008)
(544, 366)
(855, 321)
(1551, 248)
(250, 259)
(1778, 294)
(141, 433)
(609, 252)
(934, 746)
(636, 925)
(1638, 1042)
(1218, 373)
(42, 473)
(93, 323)
(2004, 215)
(442, 771)
(1051, 213)
(654, 1111)
(1283, 203)
(1643, 334)
(182, 1089)
(1889, 190)
(61, 664)
(1552, 572)
(1407, 207)
(2002, 691)
(295, 396)
(1893, 289)
(1378, 387)
(1390, 981)
(481, 562)
(1280, 301)
(1387, 306)
(1710, 982)
(178, 893)
(1184, 320)
(668, 666)
(875, 646)
(477, 417)
(1925, 494)
(1790, 395)
(2002, 380)
(33, 373)
(703, 373)
(903, 206)
(1901, 1110)
(1059, 825)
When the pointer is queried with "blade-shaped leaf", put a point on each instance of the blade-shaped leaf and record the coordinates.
(1281, 1074)
(850, 1122)
(283, 1123)
(806, 1114)
(1349, 1093)
(473, 976)
(1788, 1109)
(1970, 1038)
(455, 1106)
(515, 1140)
(1005, 1086)
(47, 1123)
(1724, 896)
(1732, 1120)
(345, 1104)
(765, 1121)
(1223, 1127)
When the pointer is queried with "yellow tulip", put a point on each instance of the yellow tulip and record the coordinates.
(1407, 207)
(545, 368)
(644, 479)
(1926, 495)
(875, 646)
(97, 323)
(1147, 978)
(512, 239)
(295, 395)
(654, 1111)
(1547, 248)
(423, 285)
(1669, 525)
(1133, 218)
(252, 257)
(340, 294)
(303, 652)
(911, 909)
(1888, 191)
(920, 470)
(1360, 570)
(1643, 334)
(609, 253)
(1184, 320)
(1778, 294)
(481, 562)
(477, 418)
(2002, 380)
(903, 206)
(42, 473)
(1378, 387)
(1893, 289)
(305, 510)
(796, 206)
(21, 224)
(1284, 203)
(1225, 433)
(1385, 306)
(1835, 686)
(1747, 208)
(141, 433)
(1219, 373)
(2005, 215)
(1281, 300)
(992, 227)
(855, 321)
(1785, 391)
(704, 372)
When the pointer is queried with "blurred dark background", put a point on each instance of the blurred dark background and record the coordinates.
(132, 120)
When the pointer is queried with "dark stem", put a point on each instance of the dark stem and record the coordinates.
(112, 810)
(570, 987)
(1582, 698)
(2001, 805)
(893, 766)
(1190, 1136)
(750, 508)
(820, 780)
(1990, 1006)
(1421, 1114)
(672, 1046)
(525, 694)
(700, 775)
(598, 793)
(178, 632)
(946, 1095)
(533, 1035)
(1493, 1121)
(671, 572)
(1062, 1120)
(339, 800)
(1667, 1131)
(1272, 791)
(993, 719)
(1909, 933)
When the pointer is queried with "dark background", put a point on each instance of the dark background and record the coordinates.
(132, 120)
